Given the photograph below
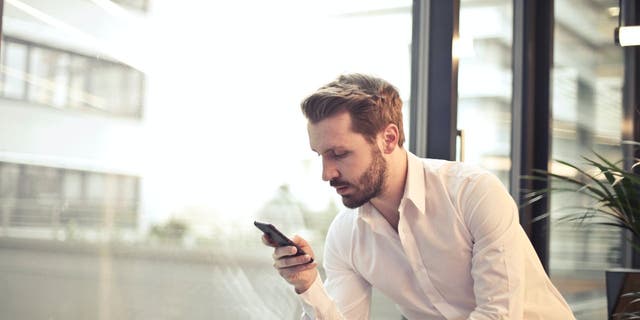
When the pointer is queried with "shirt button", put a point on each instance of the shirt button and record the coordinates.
(501, 249)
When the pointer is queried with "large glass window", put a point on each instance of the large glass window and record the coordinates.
(65, 79)
(484, 84)
(587, 114)
(52, 202)
(78, 96)
(154, 218)
(14, 69)
(49, 79)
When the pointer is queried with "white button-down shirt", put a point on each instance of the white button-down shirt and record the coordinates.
(459, 253)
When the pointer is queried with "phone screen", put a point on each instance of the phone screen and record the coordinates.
(277, 236)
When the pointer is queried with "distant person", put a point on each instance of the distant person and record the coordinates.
(441, 239)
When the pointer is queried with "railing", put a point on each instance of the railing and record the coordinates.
(43, 218)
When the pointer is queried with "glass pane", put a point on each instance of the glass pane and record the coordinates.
(9, 175)
(587, 115)
(49, 74)
(132, 93)
(67, 79)
(164, 202)
(78, 83)
(14, 68)
(38, 197)
(9, 182)
(127, 202)
(484, 84)
(96, 186)
(72, 182)
(105, 85)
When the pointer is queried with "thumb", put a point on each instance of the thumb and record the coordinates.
(299, 240)
(303, 244)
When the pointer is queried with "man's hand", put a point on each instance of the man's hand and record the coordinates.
(298, 271)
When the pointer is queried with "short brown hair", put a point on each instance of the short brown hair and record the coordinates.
(373, 103)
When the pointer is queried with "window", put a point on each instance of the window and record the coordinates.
(14, 69)
(587, 114)
(49, 77)
(67, 80)
(484, 84)
(222, 142)
(46, 202)
(78, 75)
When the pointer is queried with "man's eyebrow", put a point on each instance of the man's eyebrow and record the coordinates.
(334, 149)
(331, 149)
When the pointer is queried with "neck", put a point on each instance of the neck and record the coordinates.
(388, 202)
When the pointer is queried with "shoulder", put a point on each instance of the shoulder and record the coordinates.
(452, 169)
(457, 177)
(342, 225)
(338, 244)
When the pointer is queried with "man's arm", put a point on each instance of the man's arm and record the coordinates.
(349, 292)
(299, 271)
(498, 260)
(345, 295)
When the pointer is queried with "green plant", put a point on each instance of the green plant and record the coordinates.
(613, 194)
(613, 190)
(171, 231)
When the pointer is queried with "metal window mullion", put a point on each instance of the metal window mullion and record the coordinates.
(27, 73)
(67, 97)
(419, 79)
(3, 48)
(531, 113)
(4, 56)
(434, 79)
(630, 15)
(141, 87)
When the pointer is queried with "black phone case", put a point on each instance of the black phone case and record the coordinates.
(277, 236)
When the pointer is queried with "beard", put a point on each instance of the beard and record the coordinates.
(369, 185)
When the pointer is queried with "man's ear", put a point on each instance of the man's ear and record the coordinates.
(390, 136)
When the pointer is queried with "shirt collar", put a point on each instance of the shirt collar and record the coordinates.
(415, 188)
(414, 192)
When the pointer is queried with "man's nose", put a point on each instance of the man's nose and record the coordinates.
(329, 171)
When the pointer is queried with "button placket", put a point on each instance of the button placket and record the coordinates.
(421, 271)
(415, 259)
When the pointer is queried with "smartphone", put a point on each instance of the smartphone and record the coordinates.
(277, 237)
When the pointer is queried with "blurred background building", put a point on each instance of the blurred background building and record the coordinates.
(139, 139)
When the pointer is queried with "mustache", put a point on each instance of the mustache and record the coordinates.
(338, 183)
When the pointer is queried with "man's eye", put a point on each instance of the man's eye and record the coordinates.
(340, 155)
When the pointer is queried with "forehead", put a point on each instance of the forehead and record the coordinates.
(334, 132)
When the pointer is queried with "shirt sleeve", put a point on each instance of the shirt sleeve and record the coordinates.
(498, 261)
(344, 294)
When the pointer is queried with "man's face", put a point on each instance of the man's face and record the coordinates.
(350, 163)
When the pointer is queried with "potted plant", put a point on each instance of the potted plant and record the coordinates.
(613, 194)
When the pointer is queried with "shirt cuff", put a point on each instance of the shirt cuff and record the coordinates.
(315, 301)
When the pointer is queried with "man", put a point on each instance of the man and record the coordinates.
(440, 238)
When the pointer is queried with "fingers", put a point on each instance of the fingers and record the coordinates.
(281, 252)
(292, 262)
(299, 240)
(301, 270)
(267, 240)
(303, 244)
(295, 273)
